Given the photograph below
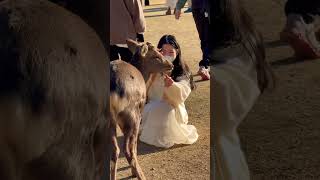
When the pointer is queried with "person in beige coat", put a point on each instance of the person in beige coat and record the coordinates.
(126, 21)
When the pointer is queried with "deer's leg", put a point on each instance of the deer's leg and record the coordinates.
(115, 151)
(130, 143)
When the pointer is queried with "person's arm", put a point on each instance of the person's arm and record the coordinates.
(180, 4)
(178, 92)
(136, 12)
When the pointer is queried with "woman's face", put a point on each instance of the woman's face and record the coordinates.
(169, 51)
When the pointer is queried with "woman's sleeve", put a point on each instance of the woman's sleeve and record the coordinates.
(177, 93)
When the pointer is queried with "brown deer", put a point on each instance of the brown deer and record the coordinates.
(127, 99)
(53, 93)
(92, 12)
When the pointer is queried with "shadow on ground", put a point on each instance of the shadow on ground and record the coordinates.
(154, 9)
(159, 15)
(144, 148)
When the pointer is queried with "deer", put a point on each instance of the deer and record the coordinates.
(128, 87)
(53, 94)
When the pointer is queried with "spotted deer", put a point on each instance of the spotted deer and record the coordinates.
(127, 99)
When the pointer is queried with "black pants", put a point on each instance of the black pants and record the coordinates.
(304, 8)
(146, 2)
(202, 24)
(125, 53)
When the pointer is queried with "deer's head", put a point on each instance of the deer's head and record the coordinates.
(147, 58)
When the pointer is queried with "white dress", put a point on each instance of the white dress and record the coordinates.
(235, 90)
(165, 118)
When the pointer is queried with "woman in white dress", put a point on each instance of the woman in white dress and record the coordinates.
(165, 118)
(240, 73)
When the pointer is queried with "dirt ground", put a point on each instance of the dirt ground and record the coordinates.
(280, 134)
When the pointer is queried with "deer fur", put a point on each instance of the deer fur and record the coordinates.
(53, 94)
(127, 99)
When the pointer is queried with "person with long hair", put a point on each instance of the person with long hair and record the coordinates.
(165, 118)
(240, 73)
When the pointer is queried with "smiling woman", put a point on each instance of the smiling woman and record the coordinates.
(165, 118)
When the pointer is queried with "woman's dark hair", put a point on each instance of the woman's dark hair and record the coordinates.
(231, 23)
(180, 67)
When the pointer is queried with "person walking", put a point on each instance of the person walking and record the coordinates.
(200, 16)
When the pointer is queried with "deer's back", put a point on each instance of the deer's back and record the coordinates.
(52, 92)
(127, 86)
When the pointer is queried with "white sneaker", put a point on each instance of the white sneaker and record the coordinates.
(204, 73)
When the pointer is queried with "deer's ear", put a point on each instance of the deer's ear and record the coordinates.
(144, 50)
(132, 45)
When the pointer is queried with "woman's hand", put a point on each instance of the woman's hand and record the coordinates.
(178, 14)
(168, 81)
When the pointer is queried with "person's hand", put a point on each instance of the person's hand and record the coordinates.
(168, 81)
(178, 13)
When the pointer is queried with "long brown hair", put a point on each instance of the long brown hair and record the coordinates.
(230, 22)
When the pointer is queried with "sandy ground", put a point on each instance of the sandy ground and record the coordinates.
(280, 134)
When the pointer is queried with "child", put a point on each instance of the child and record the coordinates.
(165, 118)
